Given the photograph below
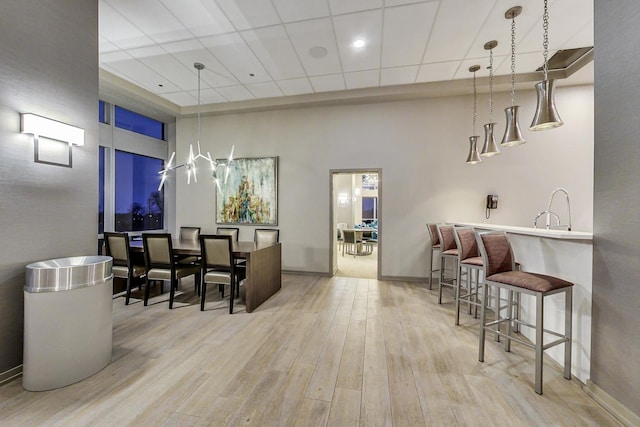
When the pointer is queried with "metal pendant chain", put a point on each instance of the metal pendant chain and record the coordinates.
(491, 85)
(513, 62)
(545, 40)
(474, 103)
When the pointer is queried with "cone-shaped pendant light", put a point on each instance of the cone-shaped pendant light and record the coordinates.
(474, 156)
(512, 134)
(490, 148)
(546, 116)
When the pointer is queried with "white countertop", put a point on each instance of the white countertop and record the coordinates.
(529, 231)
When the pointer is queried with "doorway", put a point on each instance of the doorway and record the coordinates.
(356, 207)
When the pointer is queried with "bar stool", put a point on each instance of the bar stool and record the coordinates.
(448, 251)
(469, 266)
(500, 271)
(435, 247)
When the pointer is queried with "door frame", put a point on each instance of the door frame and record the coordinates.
(333, 234)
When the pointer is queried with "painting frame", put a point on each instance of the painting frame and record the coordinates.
(248, 195)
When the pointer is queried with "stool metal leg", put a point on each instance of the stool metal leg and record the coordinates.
(568, 318)
(539, 342)
(483, 321)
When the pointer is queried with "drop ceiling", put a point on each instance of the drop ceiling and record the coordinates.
(268, 51)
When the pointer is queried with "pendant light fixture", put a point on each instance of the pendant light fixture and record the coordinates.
(474, 157)
(490, 148)
(190, 164)
(546, 116)
(512, 134)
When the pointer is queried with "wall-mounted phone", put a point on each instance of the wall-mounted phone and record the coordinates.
(492, 203)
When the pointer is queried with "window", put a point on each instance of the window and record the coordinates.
(101, 191)
(138, 123)
(102, 116)
(370, 181)
(369, 208)
(138, 203)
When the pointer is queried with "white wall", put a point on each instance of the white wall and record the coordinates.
(421, 147)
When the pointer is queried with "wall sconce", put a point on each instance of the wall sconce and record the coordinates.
(41, 126)
(342, 199)
(59, 136)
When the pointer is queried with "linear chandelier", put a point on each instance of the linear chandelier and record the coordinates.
(191, 164)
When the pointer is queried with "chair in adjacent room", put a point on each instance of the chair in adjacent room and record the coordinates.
(218, 266)
(266, 236)
(229, 231)
(117, 247)
(448, 252)
(351, 242)
(435, 247)
(341, 226)
(501, 272)
(469, 267)
(162, 266)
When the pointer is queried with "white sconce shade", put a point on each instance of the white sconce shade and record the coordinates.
(42, 126)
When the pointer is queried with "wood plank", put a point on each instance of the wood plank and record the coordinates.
(381, 353)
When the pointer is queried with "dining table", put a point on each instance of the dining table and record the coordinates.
(263, 266)
(362, 245)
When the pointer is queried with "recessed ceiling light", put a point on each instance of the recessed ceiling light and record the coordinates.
(358, 43)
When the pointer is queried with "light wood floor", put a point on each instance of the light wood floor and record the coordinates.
(323, 351)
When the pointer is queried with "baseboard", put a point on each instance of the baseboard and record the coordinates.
(424, 280)
(10, 375)
(615, 408)
(307, 273)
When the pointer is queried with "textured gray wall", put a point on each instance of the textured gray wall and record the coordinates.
(48, 66)
(615, 344)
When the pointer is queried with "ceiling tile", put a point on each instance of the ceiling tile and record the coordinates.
(118, 30)
(207, 96)
(295, 86)
(398, 75)
(265, 90)
(406, 32)
(202, 18)
(235, 93)
(118, 55)
(466, 17)
(247, 14)
(300, 10)
(360, 79)
(341, 6)
(389, 3)
(437, 72)
(173, 70)
(363, 25)
(232, 51)
(327, 83)
(153, 19)
(190, 52)
(105, 46)
(464, 73)
(144, 76)
(182, 99)
(274, 50)
(317, 32)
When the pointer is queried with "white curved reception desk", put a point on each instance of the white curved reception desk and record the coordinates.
(565, 254)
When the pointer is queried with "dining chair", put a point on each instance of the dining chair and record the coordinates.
(218, 266)
(266, 236)
(117, 247)
(189, 234)
(500, 271)
(229, 231)
(161, 264)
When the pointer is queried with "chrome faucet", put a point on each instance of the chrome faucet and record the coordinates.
(549, 212)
